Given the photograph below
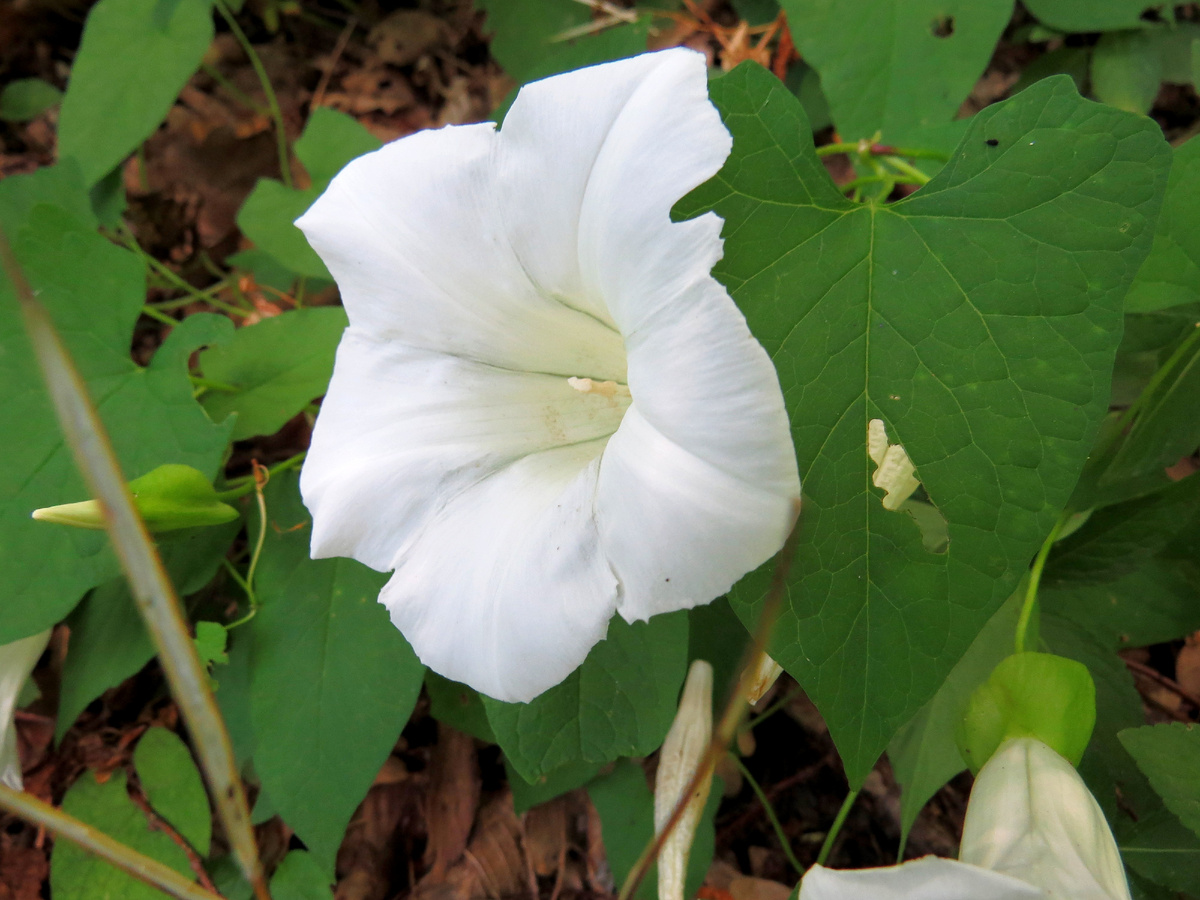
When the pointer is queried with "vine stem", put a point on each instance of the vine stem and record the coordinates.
(68, 828)
(285, 162)
(836, 827)
(780, 834)
(1035, 578)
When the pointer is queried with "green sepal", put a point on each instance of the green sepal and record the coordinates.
(1036, 695)
(168, 498)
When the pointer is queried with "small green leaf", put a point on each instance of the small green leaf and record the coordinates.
(911, 313)
(210, 640)
(300, 877)
(173, 786)
(1170, 276)
(1037, 695)
(27, 98)
(1169, 755)
(333, 681)
(76, 874)
(116, 97)
(908, 73)
(266, 219)
(619, 702)
(330, 140)
(1127, 70)
(278, 367)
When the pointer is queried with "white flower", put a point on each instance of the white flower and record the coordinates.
(682, 752)
(1033, 830)
(545, 409)
(1032, 817)
(17, 660)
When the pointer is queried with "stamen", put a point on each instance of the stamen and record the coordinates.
(607, 389)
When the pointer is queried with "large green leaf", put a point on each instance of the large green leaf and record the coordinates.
(924, 753)
(278, 366)
(332, 680)
(907, 70)
(1159, 848)
(979, 319)
(1169, 755)
(94, 291)
(1170, 276)
(135, 57)
(620, 702)
(76, 874)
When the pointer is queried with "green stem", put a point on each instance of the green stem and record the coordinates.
(285, 164)
(214, 385)
(248, 582)
(827, 847)
(904, 168)
(149, 584)
(68, 828)
(1156, 380)
(233, 90)
(907, 152)
(158, 316)
(780, 834)
(244, 484)
(1035, 578)
(771, 710)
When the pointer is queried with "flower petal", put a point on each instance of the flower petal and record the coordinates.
(929, 878)
(402, 432)
(699, 484)
(590, 129)
(17, 660)
(414, 237)
(506, 590)
(1031, 816)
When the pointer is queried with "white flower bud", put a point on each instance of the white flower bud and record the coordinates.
(763, 676)
(681, 754)
(16, 662)
(1032, 817)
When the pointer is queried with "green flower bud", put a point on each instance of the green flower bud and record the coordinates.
(169, 498)
(1038, 695)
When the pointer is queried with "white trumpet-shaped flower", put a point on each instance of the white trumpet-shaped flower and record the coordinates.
(545, 409)
(1033, 830)
(17, 660)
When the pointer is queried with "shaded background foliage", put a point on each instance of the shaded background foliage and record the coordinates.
(154, 154)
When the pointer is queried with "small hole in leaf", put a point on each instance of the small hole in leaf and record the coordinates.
(942, 26)
(1153, 14)
(894, 473)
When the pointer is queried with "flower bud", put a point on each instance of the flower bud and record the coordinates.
(1037, 695)
(681, 754)
(17, 660)
(168, 498)
(763, 675)
(1032, 817)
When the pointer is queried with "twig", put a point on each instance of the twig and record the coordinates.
(338, 49)
(1158, 678)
